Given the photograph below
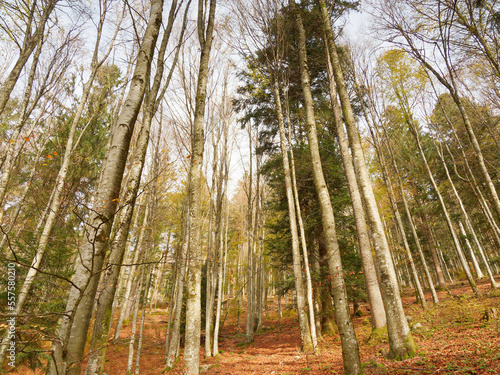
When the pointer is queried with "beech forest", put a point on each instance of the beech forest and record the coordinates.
(249, 187)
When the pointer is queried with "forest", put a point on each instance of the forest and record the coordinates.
(249, 187)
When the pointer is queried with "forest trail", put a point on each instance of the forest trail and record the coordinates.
(455, 338)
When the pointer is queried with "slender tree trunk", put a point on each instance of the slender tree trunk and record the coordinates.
(401, 341)
(432, 249)
(475, 264)
(131, 345)
(310, 299)
(377, 310)
(250, 315)
(305, 333)
(350, 350)
(143, 319)
(193, 302)
(72, 332)
(172, 346)
(418, 287)
(435, 298)
(453, 234)
(468, 223)
(131, 276)
(317, 290)
(29, 43)
(220, 287)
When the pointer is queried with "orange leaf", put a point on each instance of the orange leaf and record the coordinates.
(49, 156)
(187, 157)
(26, 139)
(55, 153)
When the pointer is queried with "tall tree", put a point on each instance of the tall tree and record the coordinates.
(350, 350)
(32, 34)
(72, 332)
(401, 341)
(193, 302)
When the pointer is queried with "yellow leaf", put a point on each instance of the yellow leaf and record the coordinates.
(12, 141)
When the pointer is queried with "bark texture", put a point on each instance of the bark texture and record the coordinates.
(400, 340)
(72, 332)
(350, 350)
(193, 302)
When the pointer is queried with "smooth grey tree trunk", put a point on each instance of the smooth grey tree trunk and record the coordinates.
(30, 41)
(137, 302)
(432, 249)
(173, 344)
(475, 263)
(350, 350)
(57, 193)
(124, 308)
(305, 254)
(399, 222)
(401, 341)
(105, 299)
(143, 319)
(470, 227)
(305, 333)
(451, 229)
(68, 347)
(250, 284)
(377, 311)
(193, 302)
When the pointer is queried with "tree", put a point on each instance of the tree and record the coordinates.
(30, 40)
(68, 347)
(193, 301)
(401, 340)
(350, 351)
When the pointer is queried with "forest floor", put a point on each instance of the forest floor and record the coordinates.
(454, 338)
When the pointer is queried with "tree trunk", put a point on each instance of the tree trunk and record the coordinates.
(193, 302)
(433, 251)
(310, 299)
(137, 302)
(475, 264)
(451, 229)
(172, 346)
(143, 319)
(377, 310)
(350, 350)
(29, 43)
(468, 223)
(305, 333)
(72, 332)
(401, 341)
